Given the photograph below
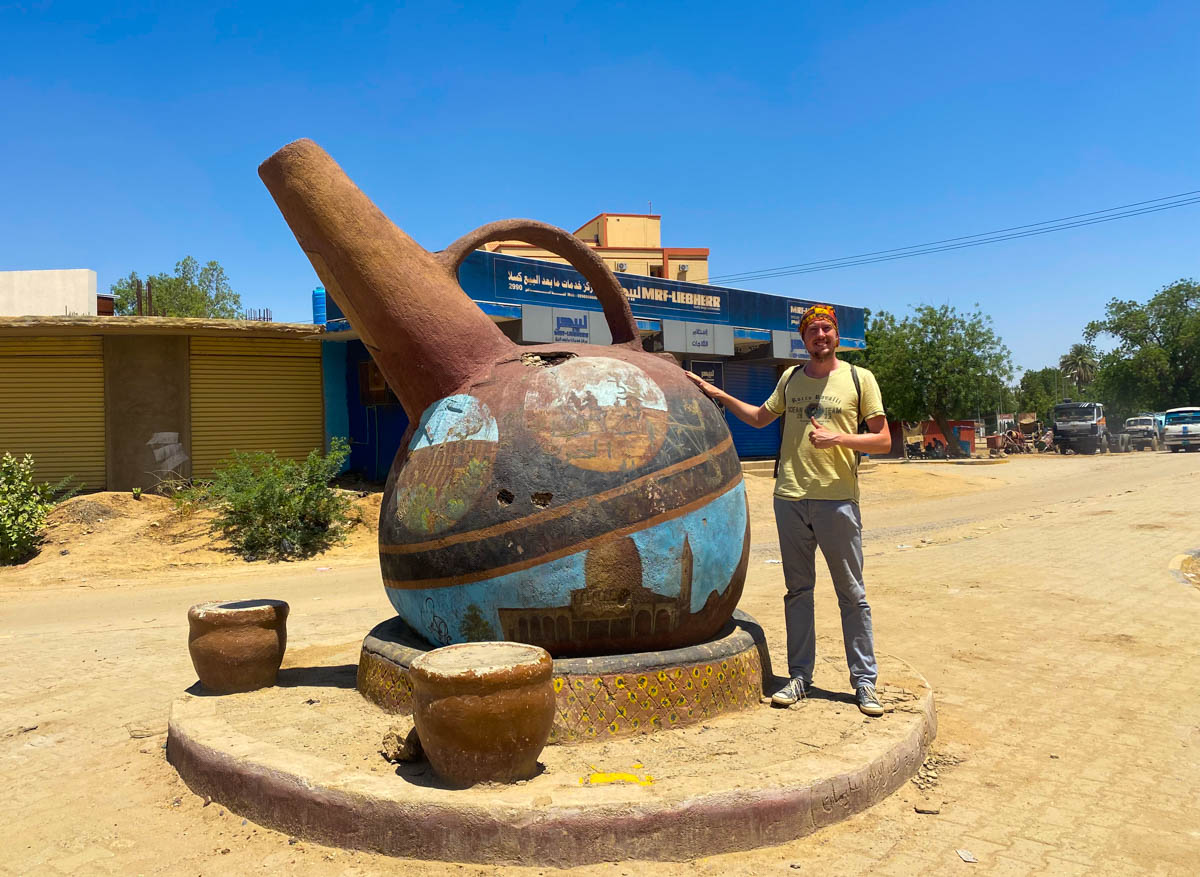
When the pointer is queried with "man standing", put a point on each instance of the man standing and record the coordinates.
(816, 496)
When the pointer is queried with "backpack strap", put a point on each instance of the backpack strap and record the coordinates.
(857, 413)
(783, 418)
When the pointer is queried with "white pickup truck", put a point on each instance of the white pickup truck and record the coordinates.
(1181, 430)
(1142, 432)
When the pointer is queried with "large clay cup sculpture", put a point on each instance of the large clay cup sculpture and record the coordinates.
(582, 498)
(483, 711)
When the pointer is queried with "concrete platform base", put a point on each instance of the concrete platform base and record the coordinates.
(302, 758)
(608, 696)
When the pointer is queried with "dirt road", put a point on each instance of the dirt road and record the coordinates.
(1035, 596)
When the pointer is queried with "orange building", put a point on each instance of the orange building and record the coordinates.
(630, 243)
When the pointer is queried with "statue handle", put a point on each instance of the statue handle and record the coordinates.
(562, 243)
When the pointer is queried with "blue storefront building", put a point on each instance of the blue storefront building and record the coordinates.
(734, 338)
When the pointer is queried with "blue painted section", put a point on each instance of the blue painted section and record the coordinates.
(333, 388)
(375, 431)
(491, 277)
(713, 532)
(456, 418)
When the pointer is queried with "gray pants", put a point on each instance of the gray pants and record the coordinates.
(835, 526)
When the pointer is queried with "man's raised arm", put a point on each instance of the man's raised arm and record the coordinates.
(757, 416)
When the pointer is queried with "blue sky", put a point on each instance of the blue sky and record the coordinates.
(771, 133)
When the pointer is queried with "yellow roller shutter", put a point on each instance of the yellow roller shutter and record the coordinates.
(52, 406)
(254, 394)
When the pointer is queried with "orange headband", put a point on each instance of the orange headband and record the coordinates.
(818, 312)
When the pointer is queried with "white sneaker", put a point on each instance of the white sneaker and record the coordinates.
(790, 693)
(868, 701)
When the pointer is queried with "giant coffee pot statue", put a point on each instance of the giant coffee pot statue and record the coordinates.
(582, 498)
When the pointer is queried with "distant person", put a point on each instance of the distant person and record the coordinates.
(816, 497)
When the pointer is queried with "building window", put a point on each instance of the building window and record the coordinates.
(656, 270)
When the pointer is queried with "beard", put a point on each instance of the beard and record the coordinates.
(823, 355)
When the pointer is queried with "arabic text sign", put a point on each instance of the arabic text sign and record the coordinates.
(703, 338)
(648, 296)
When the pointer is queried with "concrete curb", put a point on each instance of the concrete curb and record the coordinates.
(275, 787)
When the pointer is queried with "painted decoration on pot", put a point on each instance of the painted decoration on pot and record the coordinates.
(449, 462)
(597, 413)
(581, 498)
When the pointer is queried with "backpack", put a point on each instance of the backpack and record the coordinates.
(783, 420)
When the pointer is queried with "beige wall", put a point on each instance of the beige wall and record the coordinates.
(629, 239)
(48, 293)
(632, 231)
(590, 232)
(697, 269)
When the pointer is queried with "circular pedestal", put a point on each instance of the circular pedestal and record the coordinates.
(605, 697)
(306, 763)
(237, 645)
(483, 710)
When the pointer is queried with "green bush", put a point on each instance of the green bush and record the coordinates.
(277, 508)
(23, 507)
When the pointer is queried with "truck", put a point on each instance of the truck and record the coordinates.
(1181, 430)
(1142, 431)
(1081, 427)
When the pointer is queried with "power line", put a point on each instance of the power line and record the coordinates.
(974, 240)
(847, 264)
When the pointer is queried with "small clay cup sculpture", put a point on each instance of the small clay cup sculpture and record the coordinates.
(237, 645)
(483, 711)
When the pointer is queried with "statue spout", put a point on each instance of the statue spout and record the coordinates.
(425, 333)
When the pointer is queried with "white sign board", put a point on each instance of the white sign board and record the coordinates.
(701, 339)
(787, 345)
(569, 325)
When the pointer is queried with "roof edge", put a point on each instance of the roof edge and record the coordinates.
(128, 325)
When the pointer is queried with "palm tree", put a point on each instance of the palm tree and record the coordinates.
(1079, 364)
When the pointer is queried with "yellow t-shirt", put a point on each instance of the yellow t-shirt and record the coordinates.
(806, 471)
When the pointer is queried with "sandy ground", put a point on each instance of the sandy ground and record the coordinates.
(1035, 596)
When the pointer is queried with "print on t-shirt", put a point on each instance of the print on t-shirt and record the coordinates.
(823, 407)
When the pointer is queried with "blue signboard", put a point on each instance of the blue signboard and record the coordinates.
(713, 372)
(525, 280)
(846, 316)
(567, 328)
(501, 282)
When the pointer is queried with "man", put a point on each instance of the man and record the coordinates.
(816, 496)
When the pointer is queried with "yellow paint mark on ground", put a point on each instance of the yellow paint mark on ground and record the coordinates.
(600, 778)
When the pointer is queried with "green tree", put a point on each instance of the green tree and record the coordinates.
(1079, 364)
(1039, 391)
(192, 291)
(1156, 362)
(937, 363)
